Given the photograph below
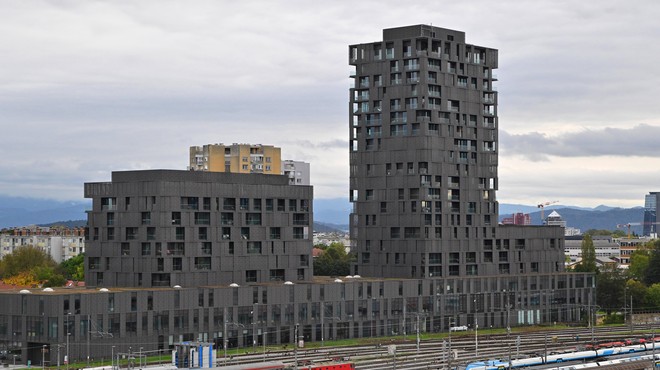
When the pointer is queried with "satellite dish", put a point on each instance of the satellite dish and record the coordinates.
(104, 290)
(48, 290)
(338, 281)
(356, 276)
(25, 291)
(177, 287)
(288, 283)
(234, 285)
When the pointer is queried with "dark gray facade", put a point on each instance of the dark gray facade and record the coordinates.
(423, 129)
(423, 181)
(190, 228)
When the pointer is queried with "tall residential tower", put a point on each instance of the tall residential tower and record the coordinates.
(423, 163)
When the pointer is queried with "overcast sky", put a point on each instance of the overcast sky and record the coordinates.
(88, 87)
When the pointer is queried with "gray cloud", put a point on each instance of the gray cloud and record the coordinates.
(637, 141)
(88, 87)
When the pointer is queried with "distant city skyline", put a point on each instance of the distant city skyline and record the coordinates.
(93, 87)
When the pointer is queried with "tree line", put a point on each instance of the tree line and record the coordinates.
(616, 288)
(31, 266)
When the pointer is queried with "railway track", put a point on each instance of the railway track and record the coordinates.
(433, 354)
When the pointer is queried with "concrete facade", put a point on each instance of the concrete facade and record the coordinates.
(236, 158)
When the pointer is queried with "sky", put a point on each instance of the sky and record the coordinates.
(89, 87)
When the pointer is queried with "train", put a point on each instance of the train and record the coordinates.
(594, 352)
(278, 365)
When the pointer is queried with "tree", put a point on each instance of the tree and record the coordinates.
(24, 259)
(652, 275)
(610, 285)
(74, 267)
(653, 296)
(29, 265)
(333, 262)
(638, 291)
(639, 263)
(588, 263)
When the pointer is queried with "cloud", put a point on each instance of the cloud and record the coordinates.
(638, 141)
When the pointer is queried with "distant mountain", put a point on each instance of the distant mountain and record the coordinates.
(584, 220)
(332, 213)
(69, 224)
(17, 211)
(332, 210)
(322, 227)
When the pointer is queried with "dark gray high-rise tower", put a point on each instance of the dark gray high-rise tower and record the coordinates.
(423, 162)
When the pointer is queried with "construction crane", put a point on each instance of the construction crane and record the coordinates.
(629, 224)
(543, 205)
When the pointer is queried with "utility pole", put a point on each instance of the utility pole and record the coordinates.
(417, 336)
(224, 339)
(631, 316)
(476, 331)
(295, 346)
(66, 358)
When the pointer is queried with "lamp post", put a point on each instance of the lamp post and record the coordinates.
(43, 357)
(66, 359)
(112, 360)
(476, 331)
(254, 327)
(295, 346)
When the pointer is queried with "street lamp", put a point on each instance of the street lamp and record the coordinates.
(66, 359)
(476, 331)
(43, 357)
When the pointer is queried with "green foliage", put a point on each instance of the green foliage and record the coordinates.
(593, 232)
(333, 262)
(610, 284)
(30, 266)
(24, 259)
(588, 263)
(653, 295)
(652, 275)
(613, 319)
(74, 267)
(638, 291)
(639, 263)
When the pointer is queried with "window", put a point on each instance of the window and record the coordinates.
(269, 205)
(454, 257)
(253, 218)
(110, 219)
(245, 233)
(488, 256)
(131, 233)
(111, 233)
(275, 233)
(206, 247)
(203, 233)
(146, 218)
(189, 203)
(227, 218)
(244, 204)
(256, 204)
(299, 233)
(202, 218)
(254, 247)
(146, 249)
(202, 263)
(180, 233)
(395, 232)
(251, 276)
(176, 218)
(229, 204)
(177, 264)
